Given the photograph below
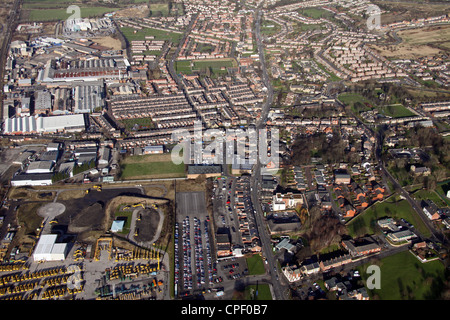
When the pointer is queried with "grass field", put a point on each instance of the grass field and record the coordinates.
(442, 189)
(139, 123)
(350, 99)
(53, 14)
(260, 292)
(150, 166)
(396, 111)
(365, 223)
(255, 265)
(216, 65)
(183, 66)
(315, 13)
(404, 277)
(159, 8)
(269, 28)
(61, 14)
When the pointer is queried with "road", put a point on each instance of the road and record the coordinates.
(436, 235)
(278, 290)
(13, 17)
(171, 60)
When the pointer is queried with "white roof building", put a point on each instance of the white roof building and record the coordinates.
(32, 124)
(47, 249)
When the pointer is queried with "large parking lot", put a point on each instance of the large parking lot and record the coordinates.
(194, 252)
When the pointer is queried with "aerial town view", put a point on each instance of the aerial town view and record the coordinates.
(232, 150)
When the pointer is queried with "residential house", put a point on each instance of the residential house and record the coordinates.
(430, 209)
(310, 268)
(326, 265)
(341, 178)
(349, 211)
(420, 171)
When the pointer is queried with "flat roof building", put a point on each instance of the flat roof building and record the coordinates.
(212, 170)
(32, 179)
(399, 236)
(40, 167)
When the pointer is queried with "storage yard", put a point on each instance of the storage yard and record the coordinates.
(75, 254)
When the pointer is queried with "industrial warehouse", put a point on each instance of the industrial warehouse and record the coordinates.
(34, 124)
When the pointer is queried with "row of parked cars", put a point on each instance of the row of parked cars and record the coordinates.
(186, 275)
(202, 273)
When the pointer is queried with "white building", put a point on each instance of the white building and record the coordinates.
(32, 124)
(48, 250)
(32, 179)
(292, 274)
(285, 201)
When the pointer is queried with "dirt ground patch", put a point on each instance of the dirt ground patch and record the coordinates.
(136, 12)
(418, 42)
(147, 225)
(408, 10)
(406, 51)
(91, 217)
(112, 205)
(109, 42)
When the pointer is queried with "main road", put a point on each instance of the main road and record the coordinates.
(279, 291)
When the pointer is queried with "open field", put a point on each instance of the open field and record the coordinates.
(131, 35)
(151, 166)
(269, 28)
(418, 43)
(138, 11)
(138, 124)
(183, 66)
(365, 222)
(258, 292)
(407, 10)
(255, 265)
(404, 277)
(396, 111)
(315, 13)
(217, 66)
(109, 42)
(52, 14)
